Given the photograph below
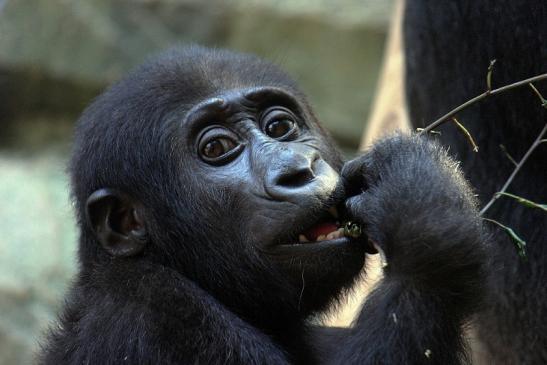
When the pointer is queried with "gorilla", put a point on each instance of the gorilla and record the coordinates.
(211, 206)
(449, 45)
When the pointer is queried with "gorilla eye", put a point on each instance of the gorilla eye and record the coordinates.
(279, 124)
(279, 128)
(218, 146)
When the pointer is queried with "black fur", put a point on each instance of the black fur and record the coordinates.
(429, 288)
(449, 45)
(203, 291)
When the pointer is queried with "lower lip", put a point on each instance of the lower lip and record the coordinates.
(293, 251)
(336, 241)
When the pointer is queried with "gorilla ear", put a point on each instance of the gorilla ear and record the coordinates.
(117, 221)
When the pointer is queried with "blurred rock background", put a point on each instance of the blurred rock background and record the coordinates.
(56, 55)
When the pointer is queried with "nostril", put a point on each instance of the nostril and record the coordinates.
(296, 178)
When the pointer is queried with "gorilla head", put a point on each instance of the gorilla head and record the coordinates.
(212, 164)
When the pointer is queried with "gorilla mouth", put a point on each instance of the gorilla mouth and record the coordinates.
(316, 234)
(326, 229)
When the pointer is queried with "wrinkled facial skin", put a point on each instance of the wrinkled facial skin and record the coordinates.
(265, 149)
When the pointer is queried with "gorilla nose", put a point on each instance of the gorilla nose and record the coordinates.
(299, 175)
(295, 176)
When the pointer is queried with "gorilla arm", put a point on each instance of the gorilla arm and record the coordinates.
(418, 209)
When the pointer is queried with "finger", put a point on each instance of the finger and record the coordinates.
(353, 176)
(355, 208)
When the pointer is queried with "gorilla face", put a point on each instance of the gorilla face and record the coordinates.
(260, 145)
(269, 173)
(213, 163)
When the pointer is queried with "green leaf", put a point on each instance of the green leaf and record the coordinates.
(352, 229)
(520, 244)
(525, 202)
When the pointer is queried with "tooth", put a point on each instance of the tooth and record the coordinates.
(333, 212)
(302, 238)
(321, 237)
(337, 234)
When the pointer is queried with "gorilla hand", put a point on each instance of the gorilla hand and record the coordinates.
(419, 210)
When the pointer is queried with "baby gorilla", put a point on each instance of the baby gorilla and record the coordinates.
(210, 203)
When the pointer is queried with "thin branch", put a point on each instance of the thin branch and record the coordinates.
(502, 147)
(480, 97)
(431, 132)
(541, 98)
(489, 76)
(467, 135)
(536, 143)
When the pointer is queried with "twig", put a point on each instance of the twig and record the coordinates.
(489, 76)
(467, 135)
(541, 98)
(502, 147)
(536, 143)
(431, 132)
(480, 97)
